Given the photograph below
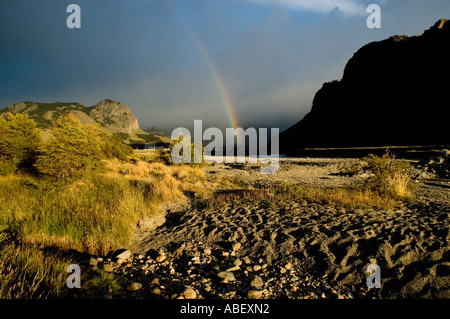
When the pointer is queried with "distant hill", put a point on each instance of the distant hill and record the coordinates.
(393, 92)
(115, 117)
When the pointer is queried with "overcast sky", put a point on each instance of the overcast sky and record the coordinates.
(164, 58)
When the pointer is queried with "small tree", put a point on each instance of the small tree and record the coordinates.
(19, 142)
(195, 149)
(113, 146)
(72, 149)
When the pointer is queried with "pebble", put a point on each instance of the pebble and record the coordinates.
(124, 255)
(237, 262)
(207, 251)
(236, 246)
(257, 282)
(155, 281)
(161, 258)
(189, 293)
(134, 286)
(93, 262)
(156, 291)
(226, 276)
(257, 267)
(234, 268)
(254, 294)
(288, 266)
(247, 260)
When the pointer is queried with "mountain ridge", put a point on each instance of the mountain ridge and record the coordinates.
(392, 92)
(113, 116)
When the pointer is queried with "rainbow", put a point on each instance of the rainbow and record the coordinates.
(219, 82)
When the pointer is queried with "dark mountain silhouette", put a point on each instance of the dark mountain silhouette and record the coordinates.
(393, 92)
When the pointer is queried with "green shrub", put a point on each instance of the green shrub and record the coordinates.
(7, 167)
(167, 156)
(19, 143)
(113, 146)
(72, 150)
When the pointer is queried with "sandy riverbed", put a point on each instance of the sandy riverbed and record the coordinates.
(305, 250)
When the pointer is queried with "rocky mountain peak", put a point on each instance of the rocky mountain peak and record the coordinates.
(114, 116)
(393, 92)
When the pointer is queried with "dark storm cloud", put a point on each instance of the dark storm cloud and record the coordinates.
(272, 55)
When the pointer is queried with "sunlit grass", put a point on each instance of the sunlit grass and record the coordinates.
(26, 272)
(96, 214)
(350, 198)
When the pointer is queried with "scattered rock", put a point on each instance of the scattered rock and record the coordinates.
(93, 262)
(288, 266)
(254, 294)
(124, 255)
(237, 262)
(155, 281)
(257, 267)
(134, 286)
(161, 258)
(189, 293)
(156, 291)
(236, 246)
(226, 276)
(234, 268)
(207, 251)
(257, 282)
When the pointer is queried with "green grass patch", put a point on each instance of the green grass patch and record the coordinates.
(95, 215)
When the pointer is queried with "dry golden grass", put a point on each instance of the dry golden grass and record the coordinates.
(26, 272)
(97, 213)
(336, 197)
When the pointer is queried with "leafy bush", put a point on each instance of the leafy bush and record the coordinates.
(167, 156)
(72, 149)
(113, 146)
(19, 143)
(388, 176)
